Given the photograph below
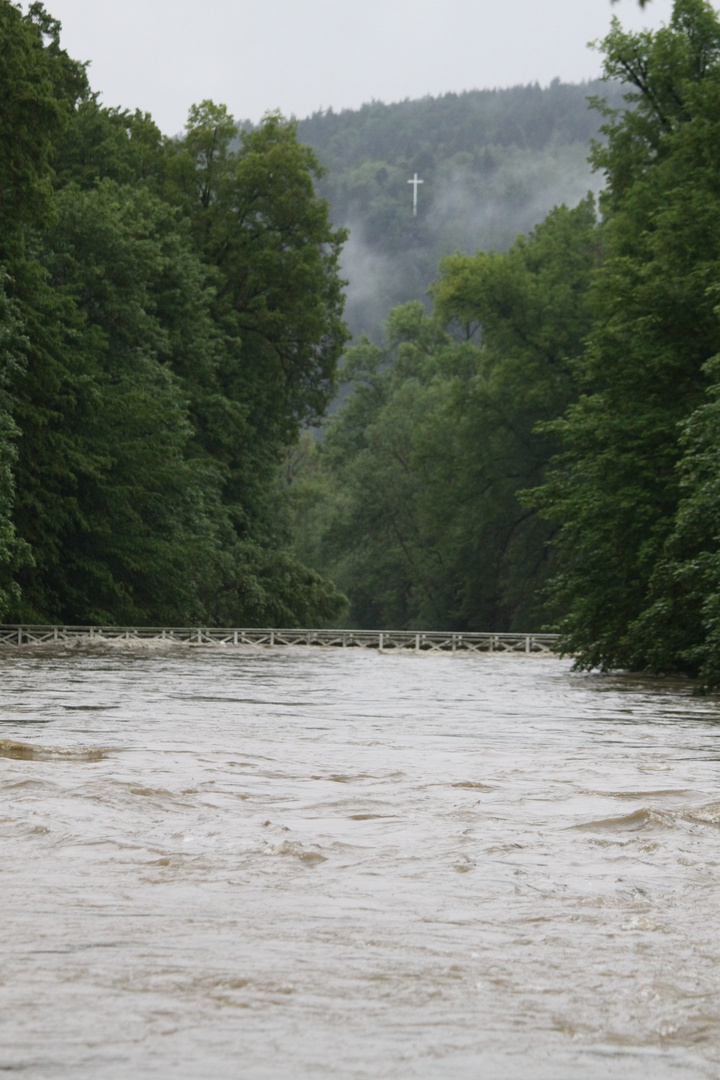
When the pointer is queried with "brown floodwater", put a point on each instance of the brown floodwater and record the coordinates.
(289, 864)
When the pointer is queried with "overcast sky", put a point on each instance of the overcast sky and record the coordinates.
(302, 55)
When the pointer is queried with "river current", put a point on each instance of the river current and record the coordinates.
(289, 864)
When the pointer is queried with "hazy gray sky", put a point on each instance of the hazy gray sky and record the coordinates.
(301, 55)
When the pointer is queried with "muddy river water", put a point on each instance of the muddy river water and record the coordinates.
(289, 864)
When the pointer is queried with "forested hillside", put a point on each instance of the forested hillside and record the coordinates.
(170, 317)
(537, 443)
(545, 444)
(493, 164)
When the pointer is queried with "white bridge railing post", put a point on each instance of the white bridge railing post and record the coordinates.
(384, 640)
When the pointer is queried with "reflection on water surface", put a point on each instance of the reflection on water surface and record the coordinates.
(275, 864)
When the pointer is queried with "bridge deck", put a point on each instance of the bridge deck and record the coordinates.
(384, 640)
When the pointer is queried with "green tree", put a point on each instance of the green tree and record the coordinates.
(12, 343)
(616, 489)
(680, 628)
(530, 310)
(272, 257)
(39, 86)
(114, 510)
(102, 143)
(360, 499)
(170, 316)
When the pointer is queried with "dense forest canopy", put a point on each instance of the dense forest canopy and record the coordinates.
(635, 489)
(545, 444)
(171, 318)
(537, 442)
(528, 117)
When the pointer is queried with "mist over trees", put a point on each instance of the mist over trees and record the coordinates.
(493, 164)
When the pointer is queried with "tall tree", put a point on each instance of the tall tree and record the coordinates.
(616, 489)
(39, 86)
(273, 260)
(108, 499)
(170, 316)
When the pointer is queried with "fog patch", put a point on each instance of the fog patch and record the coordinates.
(378, 282)
(485, 202)
(469, 202)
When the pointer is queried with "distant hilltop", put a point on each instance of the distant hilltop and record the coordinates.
(528, 117)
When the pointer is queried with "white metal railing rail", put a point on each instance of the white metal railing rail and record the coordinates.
(384, 640)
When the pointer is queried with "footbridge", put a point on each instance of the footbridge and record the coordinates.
(20, 636)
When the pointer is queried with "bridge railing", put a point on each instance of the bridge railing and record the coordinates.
(19, 635)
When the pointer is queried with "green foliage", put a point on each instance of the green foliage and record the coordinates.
(170, 315)
(530, 310)
(114, 452)
(12, 341)
(276, 307)
(269, 238)
(411, 502)
(110, 144)
(39, 85)
(630, 592)
(360, 512)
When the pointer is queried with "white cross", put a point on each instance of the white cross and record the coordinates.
(415, 183)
